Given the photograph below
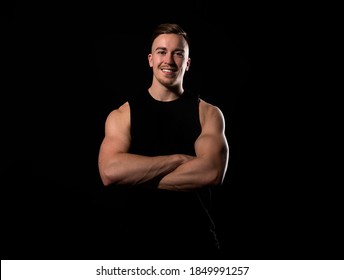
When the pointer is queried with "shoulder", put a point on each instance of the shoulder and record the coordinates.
(209, 112)
(119, 114)
(123, 109)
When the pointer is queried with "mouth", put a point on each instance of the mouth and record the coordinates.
(169, 72)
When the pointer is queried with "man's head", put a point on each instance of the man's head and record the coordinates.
(169, 55)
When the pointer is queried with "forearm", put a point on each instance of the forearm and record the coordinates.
(131, 169)
(193, 174)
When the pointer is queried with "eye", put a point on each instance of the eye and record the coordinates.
(161, 52)
(179, 54)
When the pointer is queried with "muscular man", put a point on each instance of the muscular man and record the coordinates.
(167, 147)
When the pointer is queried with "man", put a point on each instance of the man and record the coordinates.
(166, 148)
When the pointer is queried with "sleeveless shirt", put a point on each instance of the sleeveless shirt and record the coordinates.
(165, 128)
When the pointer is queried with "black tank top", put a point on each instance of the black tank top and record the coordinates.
(164, 128)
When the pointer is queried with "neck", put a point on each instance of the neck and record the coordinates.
(165, 94)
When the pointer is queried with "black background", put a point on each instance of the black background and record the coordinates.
(65, 66)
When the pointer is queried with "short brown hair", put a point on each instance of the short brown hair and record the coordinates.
(169, 28)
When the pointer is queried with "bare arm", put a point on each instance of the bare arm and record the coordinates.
(211, 161)
(117, 166)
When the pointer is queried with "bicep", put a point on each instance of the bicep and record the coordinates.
(212, 143)
(117, 137)
(212, 146)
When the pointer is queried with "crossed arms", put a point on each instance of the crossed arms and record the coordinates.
(178, 172)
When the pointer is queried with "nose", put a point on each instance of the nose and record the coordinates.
(169, 58)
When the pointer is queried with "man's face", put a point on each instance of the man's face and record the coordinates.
(169, 59)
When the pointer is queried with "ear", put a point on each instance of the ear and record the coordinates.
(150, 60)
(188, 64)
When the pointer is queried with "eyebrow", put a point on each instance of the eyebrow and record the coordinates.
(176, 50)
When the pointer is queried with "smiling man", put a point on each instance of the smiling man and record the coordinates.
(166, 149)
